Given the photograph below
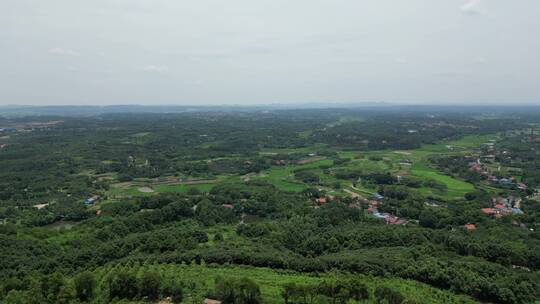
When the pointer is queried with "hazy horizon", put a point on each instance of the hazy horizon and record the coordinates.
(210, 52)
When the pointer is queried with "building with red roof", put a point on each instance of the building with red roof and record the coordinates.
(321, 200)
(499, 206)
(488, 210)
(470, 227)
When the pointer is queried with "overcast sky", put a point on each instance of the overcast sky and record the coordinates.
(269, 51)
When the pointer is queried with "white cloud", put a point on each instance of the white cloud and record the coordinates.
(480, 60)
(63, 52)
(155, 68)
(472, 7)
(401, 60)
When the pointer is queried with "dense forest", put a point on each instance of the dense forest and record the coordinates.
(270, 206)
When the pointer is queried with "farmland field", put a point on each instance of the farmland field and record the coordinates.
(201, 278)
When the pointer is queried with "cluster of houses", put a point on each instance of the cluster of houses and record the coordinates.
(372, 207)
(373, 204)
(475, 166)
(503, 207)
(389, 218)
(323, 200)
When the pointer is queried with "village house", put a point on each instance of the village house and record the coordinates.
(489, 211)
(376, 196)
(470, 227)
(522, 186)
(390, 219)
(321, 201)
(475, 166)
(505, 181)
(91, 200)
(517, 211)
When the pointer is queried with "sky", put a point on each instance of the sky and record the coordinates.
(195, 52)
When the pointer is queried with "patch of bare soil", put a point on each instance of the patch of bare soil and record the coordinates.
(146, 190)
(199, 181)
(402, 152)
(41, 206)
(310, 160)
(122, 185)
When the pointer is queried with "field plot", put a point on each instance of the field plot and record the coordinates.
(271, 282)
(456, 187)
(402, 162)
(182, 188)
(148, 188)
(282, 177)
(416, 163)
(292, 150)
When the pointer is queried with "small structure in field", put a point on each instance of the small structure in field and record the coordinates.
(41, 206)
(91, 200)
(321, 201)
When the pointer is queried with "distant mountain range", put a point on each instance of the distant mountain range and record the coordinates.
(70, 110)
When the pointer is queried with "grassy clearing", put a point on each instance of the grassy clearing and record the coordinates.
(473, 141)
(456, 188)
(310, 149)
(282, 177)
(344, 120)
(134, 190)
(183, 188)
(392, 161)
(396, 161)
(420, 168)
